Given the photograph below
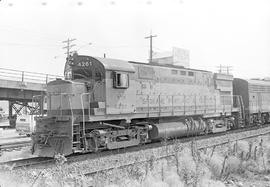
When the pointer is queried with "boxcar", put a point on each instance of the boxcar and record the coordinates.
(256, 98)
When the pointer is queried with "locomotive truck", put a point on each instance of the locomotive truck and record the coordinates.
(108, 103)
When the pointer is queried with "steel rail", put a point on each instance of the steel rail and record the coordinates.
(13, 137)
(14, 145)
(27, 162)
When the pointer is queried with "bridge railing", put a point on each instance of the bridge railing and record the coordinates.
(25, 76)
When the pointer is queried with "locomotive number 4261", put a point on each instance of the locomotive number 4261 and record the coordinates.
(84, 64)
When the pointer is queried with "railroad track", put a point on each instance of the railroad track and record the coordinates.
(13, 137)
(27, 162)
(14, 145)
(44, 162)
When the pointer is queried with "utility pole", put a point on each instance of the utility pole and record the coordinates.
(69, 46)
(151, 48)
(224, 69)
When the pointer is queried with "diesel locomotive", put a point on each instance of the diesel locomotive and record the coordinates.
(108, 103)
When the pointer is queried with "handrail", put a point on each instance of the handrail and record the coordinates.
(83, 131)
(82, 104)
(26, 76)
(174, 104)
(7, 69)
(213, 103)
(72, 116)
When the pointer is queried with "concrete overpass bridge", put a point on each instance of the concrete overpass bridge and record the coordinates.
(19, 88)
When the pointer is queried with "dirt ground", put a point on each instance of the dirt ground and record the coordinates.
(11, 136)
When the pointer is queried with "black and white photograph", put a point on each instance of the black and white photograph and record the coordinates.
(134, 93)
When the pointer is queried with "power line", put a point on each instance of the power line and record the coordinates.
(151, 48)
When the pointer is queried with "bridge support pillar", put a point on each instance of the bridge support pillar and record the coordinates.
(22, 107)
(12, 118)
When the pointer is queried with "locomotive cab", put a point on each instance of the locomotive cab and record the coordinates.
(109, 81)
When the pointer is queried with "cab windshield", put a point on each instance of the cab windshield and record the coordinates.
(82, 74)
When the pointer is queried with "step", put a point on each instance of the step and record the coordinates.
(77, 151)
(76, 142)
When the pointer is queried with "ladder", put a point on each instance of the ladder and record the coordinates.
(76, 139)
(242, 107)
(242, 110)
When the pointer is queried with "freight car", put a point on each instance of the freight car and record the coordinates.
(108, 104)
(256, 99)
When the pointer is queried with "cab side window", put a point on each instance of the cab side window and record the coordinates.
(120, 80)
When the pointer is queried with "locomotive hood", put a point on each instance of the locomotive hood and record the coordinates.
(59, 81)
(65, 86)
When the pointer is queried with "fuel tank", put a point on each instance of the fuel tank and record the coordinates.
(176, 129)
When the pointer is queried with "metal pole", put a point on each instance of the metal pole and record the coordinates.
(22, 76)
(172, 105)
(151, 48)
(69, 45)
(148, 105)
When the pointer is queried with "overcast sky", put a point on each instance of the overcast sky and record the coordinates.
(227, 32)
